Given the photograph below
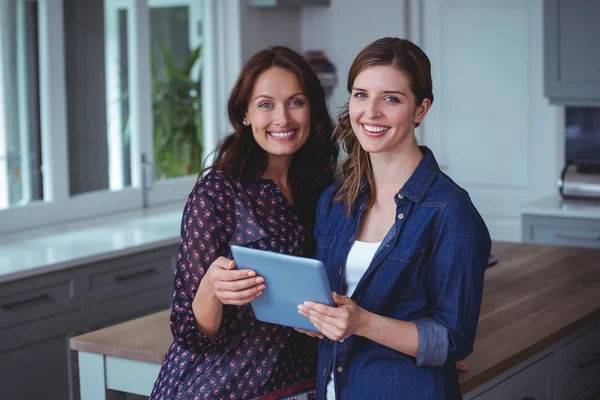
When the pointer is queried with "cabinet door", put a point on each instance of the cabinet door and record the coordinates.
(128, 275)
(577, 232)
(490, 125)
(535, 382)
(36, 361)
(127, 308)
(572, 51)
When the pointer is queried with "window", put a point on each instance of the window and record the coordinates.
(20, 152)
(88, 121)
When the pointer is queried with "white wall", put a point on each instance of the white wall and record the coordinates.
(346, 27)
(264, 27)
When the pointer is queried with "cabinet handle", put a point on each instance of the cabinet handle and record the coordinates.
(134, 275)
(42, 298)
(528, 398)
(590, 362)
(577, 237)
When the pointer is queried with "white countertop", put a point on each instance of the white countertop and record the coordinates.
(555, 206)
(68, 245)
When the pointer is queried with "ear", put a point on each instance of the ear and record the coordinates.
(246, 120)
(421, 110)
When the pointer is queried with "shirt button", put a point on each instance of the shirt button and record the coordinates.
(400, 216)
(400, 196)
(340, 369)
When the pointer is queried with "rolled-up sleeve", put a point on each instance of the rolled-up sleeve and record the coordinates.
(461, 248)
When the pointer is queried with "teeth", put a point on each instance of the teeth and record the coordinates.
(282, 134)
(375, 129)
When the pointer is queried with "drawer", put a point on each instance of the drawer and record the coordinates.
(591, 393)
(575, 232)
(536, 381)
(128, 275)
(34, 298)
(580, 363)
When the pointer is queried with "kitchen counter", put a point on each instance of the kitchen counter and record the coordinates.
(555, 206)
(534, 297)
(68, 245)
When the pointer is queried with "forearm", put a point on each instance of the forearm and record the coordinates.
(208, 311)
(398, 335)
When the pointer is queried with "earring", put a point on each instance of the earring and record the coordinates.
(245, 122)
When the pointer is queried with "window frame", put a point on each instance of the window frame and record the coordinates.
(220, 41)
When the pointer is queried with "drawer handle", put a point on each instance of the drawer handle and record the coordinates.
(42, 298)
(590, 362)
(577, 237)
(528, 398)
(134, 275)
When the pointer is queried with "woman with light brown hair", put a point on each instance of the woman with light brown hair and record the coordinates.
(404, 247)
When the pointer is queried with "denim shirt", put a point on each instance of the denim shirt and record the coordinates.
(429, 270)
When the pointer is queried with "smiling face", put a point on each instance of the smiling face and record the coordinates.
(382, 110)
(279, 113)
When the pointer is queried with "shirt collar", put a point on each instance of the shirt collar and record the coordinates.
(419, 182)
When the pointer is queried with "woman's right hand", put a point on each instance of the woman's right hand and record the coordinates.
(232, 286)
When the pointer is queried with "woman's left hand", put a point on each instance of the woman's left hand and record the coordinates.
(337, 323)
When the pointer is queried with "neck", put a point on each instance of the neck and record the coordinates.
(277, 169)
(391, 170)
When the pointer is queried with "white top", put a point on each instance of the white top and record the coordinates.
(360, 257)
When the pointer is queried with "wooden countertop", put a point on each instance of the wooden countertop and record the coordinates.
(534, 297)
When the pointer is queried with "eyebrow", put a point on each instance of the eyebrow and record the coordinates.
(385, 91)
(271, 98)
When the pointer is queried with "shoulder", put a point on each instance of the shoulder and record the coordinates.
(215, 187)
(443, 190)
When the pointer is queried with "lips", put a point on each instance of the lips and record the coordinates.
(283, 135)
(374, 130)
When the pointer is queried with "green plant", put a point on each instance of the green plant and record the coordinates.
(177, 110)
(177, 114)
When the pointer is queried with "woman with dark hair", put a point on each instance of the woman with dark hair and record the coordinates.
(404, 247)
(261, 192)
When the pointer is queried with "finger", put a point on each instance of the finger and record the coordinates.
(341, 300)
(310, 333)
(325, 329)
(241, 284)
(222, 262)
(462, 367)
(323, 309)
(332, 323)
(234, 275)
(241, 302)
(241, 294)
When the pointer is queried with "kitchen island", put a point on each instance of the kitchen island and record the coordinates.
(538, 334)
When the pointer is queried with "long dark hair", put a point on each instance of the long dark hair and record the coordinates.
(313, 165)
(404, 56)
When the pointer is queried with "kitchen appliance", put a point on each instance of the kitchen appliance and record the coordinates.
(580, 181)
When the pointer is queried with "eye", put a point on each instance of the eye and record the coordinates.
(296, 103)
(360, 95)
(392, 99)
(265, 104)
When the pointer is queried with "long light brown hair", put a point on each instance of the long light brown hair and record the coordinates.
(408, 58)
(313, 166)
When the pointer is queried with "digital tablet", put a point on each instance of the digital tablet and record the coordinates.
(289, 281)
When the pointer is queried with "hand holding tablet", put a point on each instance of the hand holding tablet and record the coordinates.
(289, 280)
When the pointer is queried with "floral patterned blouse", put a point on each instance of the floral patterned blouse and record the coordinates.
(248, 359)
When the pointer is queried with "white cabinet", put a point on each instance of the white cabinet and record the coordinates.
(579, 361)
(490, 126)
(533, 382)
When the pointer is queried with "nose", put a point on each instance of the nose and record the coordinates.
(373, 110)
(282, 116)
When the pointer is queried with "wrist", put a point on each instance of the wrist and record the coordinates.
(364, 319)
(205, 292)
